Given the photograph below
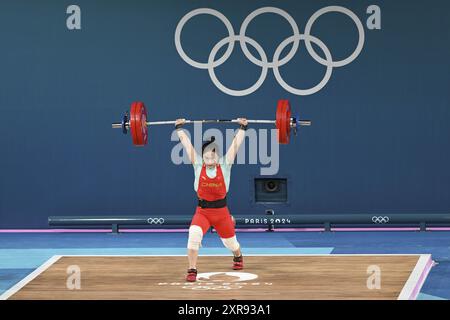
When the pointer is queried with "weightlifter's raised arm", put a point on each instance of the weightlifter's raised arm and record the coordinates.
(237, 141)
(184, 139)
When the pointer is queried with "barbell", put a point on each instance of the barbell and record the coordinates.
(136, 122)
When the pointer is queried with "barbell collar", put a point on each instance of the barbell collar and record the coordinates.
(305, 123)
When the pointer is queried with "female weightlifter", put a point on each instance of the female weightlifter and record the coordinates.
(212, 180)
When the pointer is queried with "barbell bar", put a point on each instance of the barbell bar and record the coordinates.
(136, 122)
(118, 125)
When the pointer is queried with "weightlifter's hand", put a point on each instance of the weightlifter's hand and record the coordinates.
(243, 123)
(179, 123)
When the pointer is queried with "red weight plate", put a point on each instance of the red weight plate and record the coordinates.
(142, 133)
(278, 124)
(133, 122)
(288, 121)
(144, 128)
(283, 121)
(138, 123)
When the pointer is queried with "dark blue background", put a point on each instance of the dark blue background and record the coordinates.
(379, 143)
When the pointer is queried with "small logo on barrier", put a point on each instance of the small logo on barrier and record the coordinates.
(155, 220)
(380, 219)
(267, 221)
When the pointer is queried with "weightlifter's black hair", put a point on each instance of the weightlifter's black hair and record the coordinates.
(211, 144)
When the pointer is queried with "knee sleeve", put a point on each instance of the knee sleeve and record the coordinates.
(195, 237)
(231, 243)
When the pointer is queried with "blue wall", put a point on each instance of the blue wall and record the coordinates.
(379, 143)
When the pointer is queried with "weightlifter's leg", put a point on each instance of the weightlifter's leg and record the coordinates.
(226, 229)
(194, 243)
(199, 226)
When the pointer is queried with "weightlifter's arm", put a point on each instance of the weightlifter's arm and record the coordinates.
(237, 141)
(185, 141)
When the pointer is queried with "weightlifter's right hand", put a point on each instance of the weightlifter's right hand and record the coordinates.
(179, 123)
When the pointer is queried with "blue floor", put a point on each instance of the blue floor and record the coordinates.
(21, 253)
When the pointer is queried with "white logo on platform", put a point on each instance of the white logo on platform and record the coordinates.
(263, 62)
(219, 281)
(238, 276)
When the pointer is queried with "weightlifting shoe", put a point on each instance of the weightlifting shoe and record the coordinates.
(238, 263)
(191, 275)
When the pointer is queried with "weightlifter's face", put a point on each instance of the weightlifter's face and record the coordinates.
(209, 158)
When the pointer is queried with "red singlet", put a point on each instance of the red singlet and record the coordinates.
(212, 189)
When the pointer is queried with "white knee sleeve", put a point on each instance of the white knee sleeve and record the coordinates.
(231, 243)
(195, 238)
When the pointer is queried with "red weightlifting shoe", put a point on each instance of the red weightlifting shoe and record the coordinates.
(191, 275)
(238, 263)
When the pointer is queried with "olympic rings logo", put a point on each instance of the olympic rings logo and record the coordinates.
(380, 219)
(155, 220)
(263, 62)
